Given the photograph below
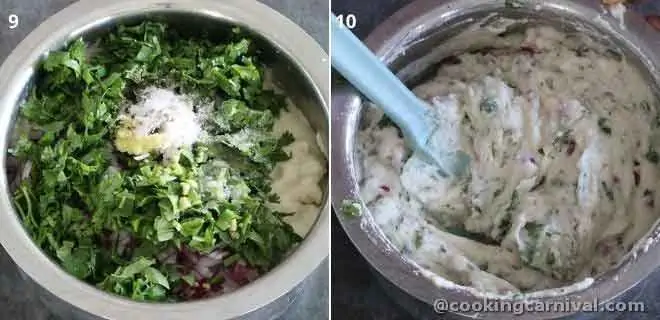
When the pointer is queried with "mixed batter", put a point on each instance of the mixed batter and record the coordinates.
(563, 179)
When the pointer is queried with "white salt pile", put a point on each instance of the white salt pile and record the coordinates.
(161, 121)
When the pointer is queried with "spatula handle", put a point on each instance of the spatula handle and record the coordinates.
(371, 77)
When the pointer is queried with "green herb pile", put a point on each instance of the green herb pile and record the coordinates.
(107, 218)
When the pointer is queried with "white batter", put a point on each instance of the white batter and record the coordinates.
(297, 181)
(563, 179)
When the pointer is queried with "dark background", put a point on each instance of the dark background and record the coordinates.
(356, 293)
(17, 300)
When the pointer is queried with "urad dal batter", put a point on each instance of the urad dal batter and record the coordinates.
(564, 171)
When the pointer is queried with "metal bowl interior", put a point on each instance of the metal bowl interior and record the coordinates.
(410, 43)
(299, 68)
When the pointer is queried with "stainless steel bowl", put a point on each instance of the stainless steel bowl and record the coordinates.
(300, 67)
(404, 42)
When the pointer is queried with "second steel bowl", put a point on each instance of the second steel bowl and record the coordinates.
(404, 42)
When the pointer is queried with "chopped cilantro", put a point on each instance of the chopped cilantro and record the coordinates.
(608, 191)
(351, 208)
(488, 105)
(419, 238)
(604, 125)
(513, 3)
(652, 156)
(83, 195)
(533, 230)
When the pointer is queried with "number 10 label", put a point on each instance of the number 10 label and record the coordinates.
(348, 20)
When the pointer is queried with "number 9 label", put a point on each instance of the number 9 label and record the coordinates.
(13, 21)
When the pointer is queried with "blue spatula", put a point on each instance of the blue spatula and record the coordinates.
(414, 117)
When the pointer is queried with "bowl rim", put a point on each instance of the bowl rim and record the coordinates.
(389, 40)
(69, 23)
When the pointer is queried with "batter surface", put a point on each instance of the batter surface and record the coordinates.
(563, 179)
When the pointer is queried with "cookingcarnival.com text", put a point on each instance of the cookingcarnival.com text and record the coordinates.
(519, 307)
